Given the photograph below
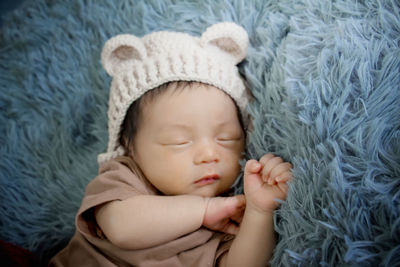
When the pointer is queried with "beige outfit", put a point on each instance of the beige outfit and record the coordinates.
(89, 247)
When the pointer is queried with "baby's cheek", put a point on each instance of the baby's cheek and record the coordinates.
(234, 167)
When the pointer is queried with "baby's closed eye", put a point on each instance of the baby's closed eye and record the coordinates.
(176, 142)
(229, 139)
(172, 138)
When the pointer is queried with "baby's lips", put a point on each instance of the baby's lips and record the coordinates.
(208, 179)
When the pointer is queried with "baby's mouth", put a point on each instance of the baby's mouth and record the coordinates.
(208, 179)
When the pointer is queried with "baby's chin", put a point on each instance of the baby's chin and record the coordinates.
(207, 191)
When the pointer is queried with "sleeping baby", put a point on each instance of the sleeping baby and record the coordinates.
(177, 127)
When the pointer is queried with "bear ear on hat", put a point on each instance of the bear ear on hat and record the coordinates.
(228, 37)
(121, 49)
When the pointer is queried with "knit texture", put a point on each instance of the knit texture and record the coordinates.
(138, 65)
(325, 79)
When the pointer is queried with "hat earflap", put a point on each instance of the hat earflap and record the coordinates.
(121, 49)
(228, 37)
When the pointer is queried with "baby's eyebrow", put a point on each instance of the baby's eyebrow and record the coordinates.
(178, 125)
(174, 126)
(225, 123)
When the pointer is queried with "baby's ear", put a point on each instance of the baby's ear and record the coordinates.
(121, 49)
(228, 37)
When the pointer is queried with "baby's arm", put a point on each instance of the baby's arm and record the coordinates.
(146, 220)
(264, 181)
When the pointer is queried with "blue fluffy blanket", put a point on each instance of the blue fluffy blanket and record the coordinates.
(326, 82)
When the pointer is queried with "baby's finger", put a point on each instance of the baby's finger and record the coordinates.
(230, 228)
(269, 166)
(284, 177)
(239, 204)
(252, 166)
(264, 159)
(233, 205)
(238, 217)
(279, 170)
(284, 188)
(241, 201)
(252, 177)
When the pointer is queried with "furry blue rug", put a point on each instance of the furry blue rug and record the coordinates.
(326, 82)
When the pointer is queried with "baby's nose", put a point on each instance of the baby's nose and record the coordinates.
(206, 153)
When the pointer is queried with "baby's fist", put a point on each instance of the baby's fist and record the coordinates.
(224, 213)
(265, 181)
(275, 170)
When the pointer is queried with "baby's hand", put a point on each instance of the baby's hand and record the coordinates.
(265, 181)
(224, 213)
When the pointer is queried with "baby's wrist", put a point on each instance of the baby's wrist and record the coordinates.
(256, 217)
(256, 211)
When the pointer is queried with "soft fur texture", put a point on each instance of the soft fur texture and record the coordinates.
(325, 78)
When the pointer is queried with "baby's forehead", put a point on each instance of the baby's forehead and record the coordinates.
(172, 89)
(202, 97)
(175, 106)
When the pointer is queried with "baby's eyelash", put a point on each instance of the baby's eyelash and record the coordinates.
(177, 143)
(181, 143)
(228, 140)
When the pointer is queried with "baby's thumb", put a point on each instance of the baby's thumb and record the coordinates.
(252, 167)
(252, 176)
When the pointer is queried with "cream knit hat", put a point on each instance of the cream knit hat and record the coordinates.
(138, 65)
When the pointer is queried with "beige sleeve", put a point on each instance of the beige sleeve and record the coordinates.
(223, 247)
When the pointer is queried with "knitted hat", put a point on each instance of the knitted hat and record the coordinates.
(138, 65)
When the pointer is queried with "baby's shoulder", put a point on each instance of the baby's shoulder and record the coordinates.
(116, 173)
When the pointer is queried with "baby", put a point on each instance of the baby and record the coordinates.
(177, 123)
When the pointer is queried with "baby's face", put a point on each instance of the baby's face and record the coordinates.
(190, 142)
